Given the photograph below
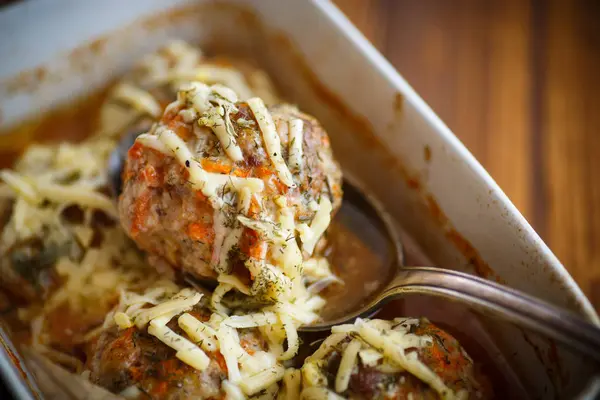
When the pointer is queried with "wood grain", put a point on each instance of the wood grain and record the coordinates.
(518, 81)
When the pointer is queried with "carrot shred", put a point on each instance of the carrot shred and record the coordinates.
(215, 166)
(151, 176)
(254, 208)
(201, 232)
(247, 346)
(140, 210)
(135, 151)
(181, 129)
(262, 172)
(252, 245)
(220, 360)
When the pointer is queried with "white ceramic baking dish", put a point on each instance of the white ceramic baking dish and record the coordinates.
(382, 132)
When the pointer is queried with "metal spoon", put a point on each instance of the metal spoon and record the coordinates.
(489, 297)
(480, 294)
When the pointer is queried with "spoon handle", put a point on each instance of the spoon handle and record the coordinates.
(517, 307)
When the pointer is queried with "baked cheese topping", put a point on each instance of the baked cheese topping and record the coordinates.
(215, 104)
(296, 151)
(49, 179)
(208, 183)
(139, 99)
(381, 344)
(271, 139)
(283, 282)
(212, 74)
(317, 227)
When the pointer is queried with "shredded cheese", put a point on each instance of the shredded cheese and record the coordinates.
(217, 116)
(217, 296)
(199, 332)
(229, 341)
(183, 301)
(215, 74)
(232, 391)
(76, 195)
(232, 239)
(292, 384)
(295, 158)
(152, 142)
(235, 282)
(262, 380)
(251, 320)
(293, 342)
(123, 320)
(271, 139)
(35, 191)
(187, 351)
(387, 340)
(318, 225)
(139, 99)
(347, 363)
(207, 183)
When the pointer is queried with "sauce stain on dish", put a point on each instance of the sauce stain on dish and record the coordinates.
(427, 153)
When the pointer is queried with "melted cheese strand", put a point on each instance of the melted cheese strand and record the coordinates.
(138, 99)
(232, 239)
(199, 332)
(262, 380)
(292, 383)
(244, 199)
(412, 364)
(76, 194)
(215, 74)
(152, 142)
(183, 301)
(295, 158)
(206, 182)
(347, 365)
(20, 186)
(122, 320)
(252, 320)
(187, 351)
(271, 139)
(267, 230)
(228, 341)
(232, 391)
(216, 117)
(222, 128)
(319, 224)
(292, 337)
(235, 282)
(217, 297)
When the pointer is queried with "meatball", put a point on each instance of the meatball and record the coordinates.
(216, 225)
(133, 362)
(400, 359)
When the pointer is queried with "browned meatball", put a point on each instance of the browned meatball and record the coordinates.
(127, 358)
(181, 227)
(375, 376)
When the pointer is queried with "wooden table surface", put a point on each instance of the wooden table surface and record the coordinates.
(518, 81)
